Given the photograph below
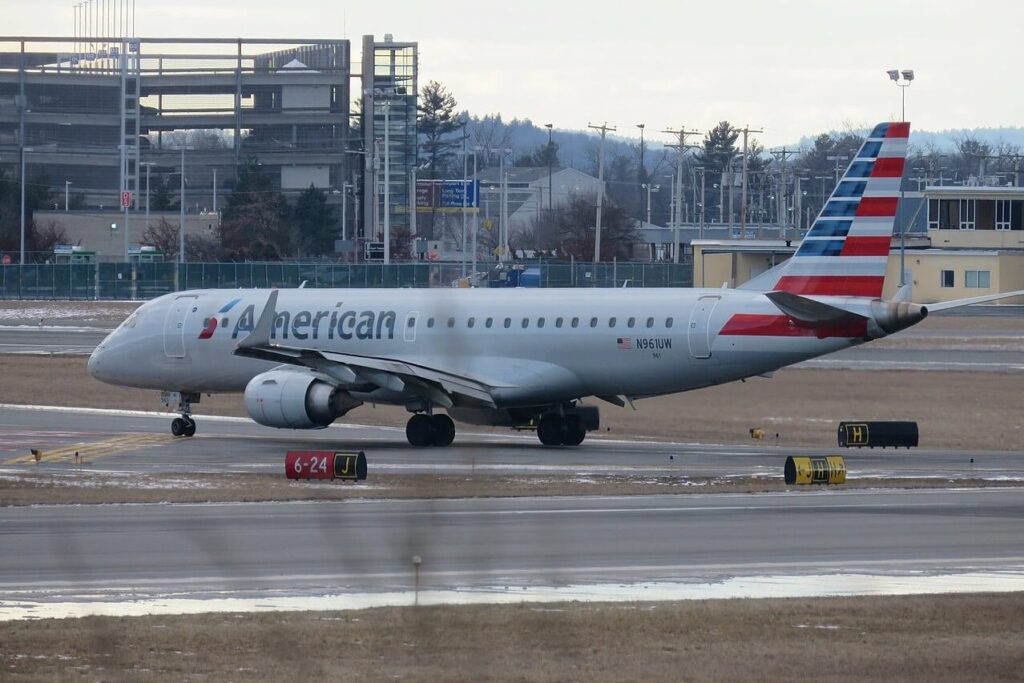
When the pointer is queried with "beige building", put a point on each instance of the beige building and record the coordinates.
(102, 232)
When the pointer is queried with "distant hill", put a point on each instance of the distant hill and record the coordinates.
(577, 148)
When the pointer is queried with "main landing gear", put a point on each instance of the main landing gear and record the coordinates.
(430, 430)
(561, 430)
(182, 402)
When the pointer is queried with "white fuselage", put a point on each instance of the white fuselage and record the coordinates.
(533, 346)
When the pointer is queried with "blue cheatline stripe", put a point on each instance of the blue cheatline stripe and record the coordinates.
(880, 131)
(860, 169)
(830, 228)
(839, 209)
(820, 248)
(850, 188)
(870, 150)
(229, 305)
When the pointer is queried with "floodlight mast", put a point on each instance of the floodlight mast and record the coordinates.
(907, 78)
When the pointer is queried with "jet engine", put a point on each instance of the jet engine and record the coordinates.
(294, 399)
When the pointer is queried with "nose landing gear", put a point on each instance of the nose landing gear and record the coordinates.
(182, 402)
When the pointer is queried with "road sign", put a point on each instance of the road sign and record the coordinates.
(126, 199)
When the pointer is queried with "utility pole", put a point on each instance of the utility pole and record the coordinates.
(640, 180)
(551, 161)
(387, 182)
(680, 148)
(703, 200)
(837, 158)
(781, 155)
(181, 201)
(604, 128)
(743, 195)
(465, 171)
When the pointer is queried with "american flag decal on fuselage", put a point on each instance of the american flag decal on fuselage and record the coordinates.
(624, 343)
(846, 251)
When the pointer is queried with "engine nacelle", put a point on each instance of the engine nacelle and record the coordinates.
(293, 399)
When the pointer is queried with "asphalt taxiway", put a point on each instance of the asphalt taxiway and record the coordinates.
(128, 441)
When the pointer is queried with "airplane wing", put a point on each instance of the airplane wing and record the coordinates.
(957, 303)
(442, 387)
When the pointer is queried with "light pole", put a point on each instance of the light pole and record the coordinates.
(148, 165)
(181, 202)
(465, 171)
(551, 160)
(476, 214)
(67, 194)
(24, 153)
(650, 187)
(345, 187)
(908, 78)
(640, 173)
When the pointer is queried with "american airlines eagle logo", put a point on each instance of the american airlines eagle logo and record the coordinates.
(211, 323)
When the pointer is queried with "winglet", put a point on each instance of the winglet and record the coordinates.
(260, 335)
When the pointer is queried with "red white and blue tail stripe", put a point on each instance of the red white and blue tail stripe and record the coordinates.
(846, 251)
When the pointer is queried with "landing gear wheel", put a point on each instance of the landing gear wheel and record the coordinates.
(190, 426)
(444, 430)
(178, 427)
(419, 430)
(574, 431)
(550, 430)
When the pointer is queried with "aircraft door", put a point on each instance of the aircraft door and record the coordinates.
(698, 332)
(410, 326)
(174, 326)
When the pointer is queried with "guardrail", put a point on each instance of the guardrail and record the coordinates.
(148, 280)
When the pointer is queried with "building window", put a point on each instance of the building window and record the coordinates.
(575, 322)
(933, 214)
(471, 322)
(978, 279)
(1004, 214)
(946, 279)
(488, 323)
(967, 208)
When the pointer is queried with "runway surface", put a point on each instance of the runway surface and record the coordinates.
(126, 441)
(130, 559)
(268, 550)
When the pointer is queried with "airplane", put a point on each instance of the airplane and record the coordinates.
(525, 358)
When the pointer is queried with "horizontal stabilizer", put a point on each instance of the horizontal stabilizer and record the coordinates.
(809, 310)
(957, 303)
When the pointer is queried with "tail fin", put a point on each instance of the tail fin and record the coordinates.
(847, 249)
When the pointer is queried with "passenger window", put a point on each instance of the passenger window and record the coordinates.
(540, 322)
(488, 322)
(430, 322)
(593, 322)
(451, 322)
(223, 323)
(632, 322)
(508, 323)
(206, 323)
(575, 322)
(611, 322)
(650, 322)
(558, 322)
(668, 322)
(471, 322)
(410, 322)
(526, 323)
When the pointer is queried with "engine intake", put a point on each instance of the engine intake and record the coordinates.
(293, 399)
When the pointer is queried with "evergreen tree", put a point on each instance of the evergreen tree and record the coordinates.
(314, 222)
(437, 120)
(253, 225)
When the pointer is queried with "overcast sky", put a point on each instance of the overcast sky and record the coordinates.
(791, 67)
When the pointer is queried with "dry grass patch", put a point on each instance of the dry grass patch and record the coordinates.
(88, 488)
(925, 638)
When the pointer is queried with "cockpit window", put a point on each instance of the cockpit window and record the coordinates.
(130, 320)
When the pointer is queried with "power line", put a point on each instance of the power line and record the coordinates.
(746, 130)
(604, 128)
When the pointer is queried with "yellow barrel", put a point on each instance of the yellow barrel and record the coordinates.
(828, 470)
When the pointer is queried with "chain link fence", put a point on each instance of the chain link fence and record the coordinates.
(148, 280)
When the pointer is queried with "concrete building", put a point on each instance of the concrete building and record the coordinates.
(93, 116)
(102, 232)
(390, 93)
(531, 192)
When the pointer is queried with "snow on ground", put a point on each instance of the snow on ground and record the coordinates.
(51, 311)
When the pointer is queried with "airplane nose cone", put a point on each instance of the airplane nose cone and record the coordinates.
(95, 366)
